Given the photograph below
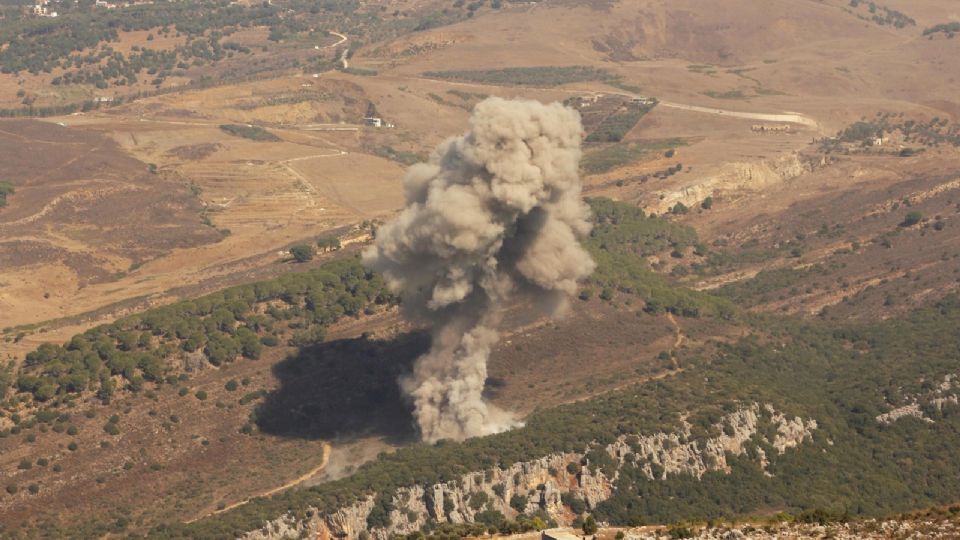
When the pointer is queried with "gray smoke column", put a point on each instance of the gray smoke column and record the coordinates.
(493, 217)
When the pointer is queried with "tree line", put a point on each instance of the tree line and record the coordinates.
(222, 327)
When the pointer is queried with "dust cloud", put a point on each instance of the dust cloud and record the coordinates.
(493, 217)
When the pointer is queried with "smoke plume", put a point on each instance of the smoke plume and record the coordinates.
(493, 217)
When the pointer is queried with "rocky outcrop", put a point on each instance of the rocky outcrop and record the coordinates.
(913, 409)
(543, 482)
(943, 395)
(732, 178)
(790, 432)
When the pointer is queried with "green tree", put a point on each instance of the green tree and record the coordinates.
(6, 188)
(328, 243)
(302, 253)
(589, 525)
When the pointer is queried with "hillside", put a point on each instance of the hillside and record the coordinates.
(693, 446)
(775, 414)
(278, 368)
(193, 348)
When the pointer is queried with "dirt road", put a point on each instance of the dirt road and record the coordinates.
(678, 332)
(790, 118)
(339, 35)
(273, 491)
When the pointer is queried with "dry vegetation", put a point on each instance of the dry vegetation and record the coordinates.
(153, 200)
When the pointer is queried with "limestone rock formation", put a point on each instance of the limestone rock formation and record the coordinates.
(543, 481)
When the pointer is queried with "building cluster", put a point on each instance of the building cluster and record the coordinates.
(763, 128)
(104, 4)
(377, 122)
(42, 9)
(587, 101)
(644, 100)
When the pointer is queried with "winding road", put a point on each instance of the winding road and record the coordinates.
(273, 491)
(339, 35)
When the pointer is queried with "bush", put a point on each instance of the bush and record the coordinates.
(677, 532)
(252, 396)
(302, 253)
(12, 489)
(6, 188)
(231, 385)
(478, 500)
(577, 505)
(912, 218)
(254, 133)
(111, 428)
(328, 243)
(201, 395)
(589, 525)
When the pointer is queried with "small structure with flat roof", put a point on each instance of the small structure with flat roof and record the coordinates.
(559, 534)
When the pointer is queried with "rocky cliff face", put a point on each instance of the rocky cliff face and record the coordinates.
(732, 178)
(542, 482)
